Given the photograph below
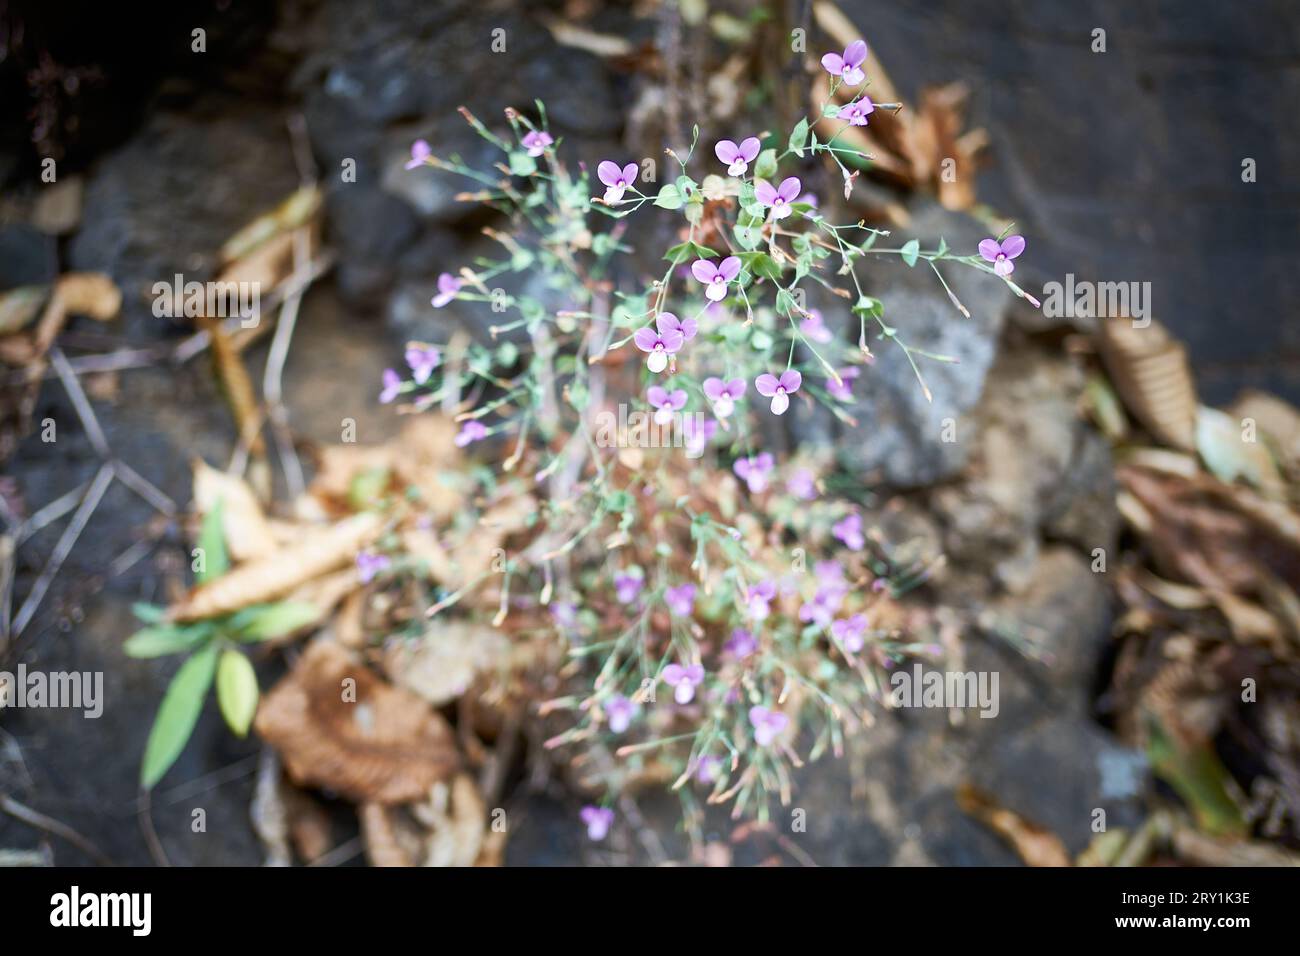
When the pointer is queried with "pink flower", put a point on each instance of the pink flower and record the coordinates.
(422, 359)
(847, 66)
(369, 564)
(758, 599)
(741, 644)
(619, 711)
(849, 530)
(802, 484)
(598, 821)
(472, 431)
(754, 471)
(779, 389)
(1001, 253)
(665, 402)
(448, 286)
(681, 599)
(392, 386)
(739, 157)
(698, 435)
(824, 605)
(843, 389)
(663, 340)
(419, 154)
(683, 680)
(618, 180)
(536, 141)
(778, 198)
(668, 322)
(768, 724)
(708, 768)
(814, 328)
(716, 277)
(856, 113)
(627, 586)
(849, 632)
(724, 395)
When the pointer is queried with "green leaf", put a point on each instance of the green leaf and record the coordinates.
(669, 197)
(161, 639)
(765, 167)
(149, 613)
(689, 250)
(273, 620)
(909, 252)
(799, 136)
(177, 714)
(761, 264)
(212, 545)
(367, 488)
(748, 236)
(872, 308)
(237, 691)
(521, 164)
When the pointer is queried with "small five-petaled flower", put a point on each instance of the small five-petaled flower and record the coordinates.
(665, 403)
(448, 286)
(847, 65)
(736, 157)
(616, 180)
(753, 471)
(767, 724)
(598, 821)
(536, 141)
(724, 395)
(780, 389)
(665, 339)
(778, 198)
(716, 277)
(1001, 253)
(683, 680)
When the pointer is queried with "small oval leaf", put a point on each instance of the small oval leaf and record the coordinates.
(237, 691)
(177, 715)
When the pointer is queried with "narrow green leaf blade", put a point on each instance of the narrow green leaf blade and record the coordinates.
(177, 715)
(237, 691)
(212, 545)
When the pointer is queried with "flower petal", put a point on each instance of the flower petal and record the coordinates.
(704, 270)
(726, 150)
(766, 384)
(645, 339)
(730, 267)
(608, 172)
(833, 64)
(856, 53)
(791, 379)
(989, 249)
(1012, 246)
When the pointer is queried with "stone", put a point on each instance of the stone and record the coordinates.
(900, 435)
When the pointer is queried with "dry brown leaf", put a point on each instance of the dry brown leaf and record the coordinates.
(1279, 420)
(276, 574)
(441, 665)
(1153, 376)
(298, 209)
(386, 845)
(91, 294)
(457, 820)
(247, 533)
(338, 726)
(1036, 845)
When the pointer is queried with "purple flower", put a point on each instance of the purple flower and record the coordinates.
(825, 603)
(849, 632)
(564, 613)
(627, 586)
(723, 395)
(422, 359)
(663, 340)
(716, 277)
(849, 530)
(739, 157)
(619, 711)
(830, 574)
(802, 484)
(683, 680)
(598, 821)
(698, 435)
(665, 403)
(856, 113)
(754, 471)
(758, 599)
(536, 141)
(419, 154)
(472, 431)
(779, 389)
(618, 180)
(681, 599)
(1001, 253)
(814, 328)
(778, 198)
(843, 389)
(741, 644)
(848, 65)
(667, 322)
(369, 564)
(448, 286)
(767, 724)
(392, 386)
(708, 769)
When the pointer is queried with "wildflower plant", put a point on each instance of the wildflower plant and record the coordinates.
(725, 617)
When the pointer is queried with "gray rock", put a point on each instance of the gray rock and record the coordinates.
(27, 256)
(900, 435)
(371, 230)
(166, 201)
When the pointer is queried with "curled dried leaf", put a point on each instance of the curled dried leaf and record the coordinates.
(441, 665)
(247, 533)
(1153, 376)
(337, 725)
